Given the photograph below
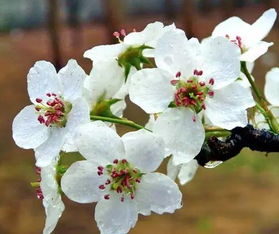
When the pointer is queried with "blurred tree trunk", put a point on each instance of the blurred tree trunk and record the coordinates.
(188, 17)
(206, 6)
(170, 9)
(227, 7)
(53, 28)
(113, 13)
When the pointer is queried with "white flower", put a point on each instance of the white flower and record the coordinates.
(117, 175)
(51, 197)
(191, 78)
(129, 54)
(248, 37)
(58, 108)
(184, 172)
(271, 91)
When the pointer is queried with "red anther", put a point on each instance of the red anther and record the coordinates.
(39, 100)
(100, 168)
(203, 106)
(122, 199)
(102, 186)
(53, 94)
(132, 196)
(189, 81)
(124, 161)
(199, 93)
(123, 32)
(115, 161)
(48, 94)
(138, 180)
(38, 170)
(116, 34)
(211, 81)
(39, 194)
(106, 196)
(227, 36)
(100, 173)
(178, 74)
(174, 82)
(119, 189)
(202, 83)
(107, 182)
(194, 118)
(41, 119)
(195, 72)
(211, 93)
(200, 73)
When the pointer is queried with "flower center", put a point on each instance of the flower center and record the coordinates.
(54, 112)
(123, 178)
(192, 92)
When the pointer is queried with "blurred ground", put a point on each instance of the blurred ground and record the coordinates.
(241, 196)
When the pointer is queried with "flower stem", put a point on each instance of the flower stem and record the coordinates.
(125, 122)
(217, 132)
(262, 104)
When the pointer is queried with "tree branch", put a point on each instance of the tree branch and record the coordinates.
(255, 139)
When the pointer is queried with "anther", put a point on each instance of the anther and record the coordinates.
(211, 81)
(102, 186)
(106, 196)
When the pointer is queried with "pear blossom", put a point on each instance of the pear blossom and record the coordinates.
(118, 175)
(128, 55)
(48, 125)
(271, 91)
(191, 78)
(248, 37)
(50, 195)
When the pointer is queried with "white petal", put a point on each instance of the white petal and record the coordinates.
(52, 201)
(256, 51)
(105, 80)
(183, 136)
(220, 61)
(264, 24)
(172, 170)
(81, 182)
(97, 142)
(157, 193)
(42, 79)
(187, 171)
(72, 77)
(105, 52)
(28, 133)
(151, 89)
(233, 27)
(175, 53)
(146, 36)
(50, 149)
(78, 115)
(271, 88)
(144, 150)
(115, 217)
(227, 109)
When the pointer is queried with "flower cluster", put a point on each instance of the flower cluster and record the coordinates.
(191, 89)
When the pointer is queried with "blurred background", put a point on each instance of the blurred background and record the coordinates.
(240, 196)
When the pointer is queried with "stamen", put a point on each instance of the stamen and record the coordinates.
(211, 81)
(178, 74)
(123, 32)
(107, 196)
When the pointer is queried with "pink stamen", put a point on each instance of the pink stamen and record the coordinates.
(211, 81)
(102, 186)
(116, 34)
(115, 161)
(174, 82)
(178, 74)
(123, 32)
(106, 196)
(211, 93)
(39, 100)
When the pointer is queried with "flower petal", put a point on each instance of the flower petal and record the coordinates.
(151, 89)
(51, 148)
(144, 150)
(263, 25)
(172, 170)
(72, 78)
(115, 217)
(220, 61)
(227, 109)
(105, 52)
(187, 171)
(157, 193)
(256, 51)
(52, 201)
(78, 115)
(183, 136)
(99, 142)
(28, 133)
(42, 79)
(81, 182)
(271, 88)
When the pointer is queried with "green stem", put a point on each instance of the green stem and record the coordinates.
(217, 132)
(125, 122)
(262, 104)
